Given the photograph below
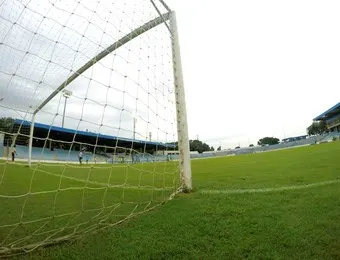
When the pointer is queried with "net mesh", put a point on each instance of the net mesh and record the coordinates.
(104, 147)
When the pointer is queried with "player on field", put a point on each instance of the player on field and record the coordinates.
(13, 152)
(80, 155)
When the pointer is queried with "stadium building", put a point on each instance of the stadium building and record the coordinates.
(53, 143)
(331, 117)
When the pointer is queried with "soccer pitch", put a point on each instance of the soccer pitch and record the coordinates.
(273, 205)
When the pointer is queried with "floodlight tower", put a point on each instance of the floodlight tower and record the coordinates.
(134, 116)
(134, 128)
(66, 94)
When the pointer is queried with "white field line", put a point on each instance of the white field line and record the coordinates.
(262, 190)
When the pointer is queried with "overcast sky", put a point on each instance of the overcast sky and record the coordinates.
(251, 68)
(258, 68)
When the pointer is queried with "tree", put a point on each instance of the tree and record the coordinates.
(6, 127)
(251, 145)
(212, 148)
(199, 146)
(6, 124)
(175, 144)
(317, 127)
(196, 145)
(219, 148)
(268, 141)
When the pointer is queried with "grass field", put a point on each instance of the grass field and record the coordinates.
(53, 202)
(219, 220)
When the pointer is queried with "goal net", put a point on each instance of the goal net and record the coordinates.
(92, 119)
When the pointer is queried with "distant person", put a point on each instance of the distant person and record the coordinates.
(13, 152)
(80, 157)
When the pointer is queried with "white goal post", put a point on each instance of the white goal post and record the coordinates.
(182, 123)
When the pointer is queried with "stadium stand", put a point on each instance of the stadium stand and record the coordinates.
(45, 154)
(295, 138)
(331, 117)
(43, 151)
(57, 148)
(327, 137)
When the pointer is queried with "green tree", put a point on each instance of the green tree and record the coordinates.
(219, 148)
(317, 127)
(199, 146)
(268, 140)
(196, 145)
(6, 124)
(7, 127)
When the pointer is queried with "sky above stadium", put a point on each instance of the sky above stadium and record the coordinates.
(258, 68)
(251, 69)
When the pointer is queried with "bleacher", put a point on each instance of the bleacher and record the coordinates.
(331, 135)
(46, 154)
(141, 158)
(41, 154)
(66, 155)
(247, 150)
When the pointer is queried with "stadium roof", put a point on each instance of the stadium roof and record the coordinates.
(89, 134)
(329, 113)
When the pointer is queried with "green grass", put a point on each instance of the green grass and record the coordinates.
(293, 224)
(51, 201)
